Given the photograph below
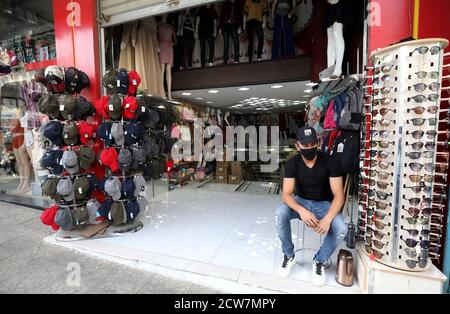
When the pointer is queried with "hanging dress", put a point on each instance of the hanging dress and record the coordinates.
(147, 60)
(127, 55)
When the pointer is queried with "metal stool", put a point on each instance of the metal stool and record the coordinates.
(327, 264)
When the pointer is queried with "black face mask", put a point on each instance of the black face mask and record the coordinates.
(309, 154)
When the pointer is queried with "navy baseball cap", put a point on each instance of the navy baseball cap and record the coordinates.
(122, 81)
(133, 133)
(307, 135)
(93, 183)
(101, 184)
(51, 160)
(104, 132)
(132, 209)
(105, 208)
(128, 188)
(53, 131)
(84, 108)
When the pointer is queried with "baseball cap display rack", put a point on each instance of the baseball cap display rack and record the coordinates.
(404, 156)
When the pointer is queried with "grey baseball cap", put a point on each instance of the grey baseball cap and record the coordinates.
(140, 184)
(117, 133)
(143, 203)
(70, 162)
(65, 189)
(139, 156)
(113, 188)
(125, 159)
(92, 207)
(63, 218)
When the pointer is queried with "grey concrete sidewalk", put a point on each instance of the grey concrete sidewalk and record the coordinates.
(27, 265)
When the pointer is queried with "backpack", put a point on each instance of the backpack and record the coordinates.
(339, 103)
(350, 117)
(330, 117)
(345, 152)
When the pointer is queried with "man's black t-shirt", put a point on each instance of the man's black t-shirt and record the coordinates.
(312, 183)
(207, 17)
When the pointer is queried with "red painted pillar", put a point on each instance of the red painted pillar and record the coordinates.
(85, 43)
(434, 19)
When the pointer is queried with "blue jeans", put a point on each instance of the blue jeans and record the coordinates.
(336, 234)
(283, 38)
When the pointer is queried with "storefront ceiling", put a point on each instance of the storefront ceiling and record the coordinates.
(291, 97)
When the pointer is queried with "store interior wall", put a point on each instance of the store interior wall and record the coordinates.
(434, 19)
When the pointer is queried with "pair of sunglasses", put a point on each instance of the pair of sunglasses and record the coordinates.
(419, 134)
(377, 254)
(383, 91)
(385, 68)
(421, 109)
(380, 175)
(383, 111)
(382, 122)
(422, 98)
(377, 234)
(422, 263)
(415, 212)
(382, 144)
(378, 205)
(378, 224)
(423, 75)
(378, 244)
(419, 145)
(427, 178)
(421, 87)
(414, 220)
(415, 232)
(431, 121)
(424, 49)
(383, 79)
(413, 243)
(418, 188)
(382, 134)
(381, 154)
(382, 101)
(418, 155)
(382, 164)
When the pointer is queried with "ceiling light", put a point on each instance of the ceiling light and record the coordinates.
(213, 91)
(276, 86)
(199, 98)
(306, 96)
(312, 84)
(186, 94)
(209, 102)
(308, 91)
(244, 89)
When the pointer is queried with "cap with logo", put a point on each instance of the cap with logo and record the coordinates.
(133, 82)
(93, 207)
(128, 188)
(101, 106)
(104, 132)
(53, 131)
(86, 157)
(109, 81)
(122, 81)
(81, 188)
(132, 209)
(108, 158)
(129, 107)
(48, 104)
(86, 131)
(65, 189)
(139, 158)
(142, 114)
(51, 160)
(117, 133)
(125, 159)
(48, 217)
(76, 80)
(49, 186)
(113, 188)
(118, 214)
(70, 161)
(133, 133)
(63, 218)
(80, 216)
(140, 184)
(307, 135)
(71, 135)
(84, 108)
(67, 106)
(105, 208)
(115, 107)
(55, 77)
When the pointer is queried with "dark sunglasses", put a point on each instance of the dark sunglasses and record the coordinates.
(418, 188)
(421, 121)
(422, 98)
(378, 244)
(383, 101)
(423, 262)
(430, 167)
(419, 145)
(413, 243)
(382, 144)
(377, 234)
(415, 212)
(415, 233)
(377, 254)
(421, 87)
(378, 205)
(380, 154)
(419, 134)
(383, 111)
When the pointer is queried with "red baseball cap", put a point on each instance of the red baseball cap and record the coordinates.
(108, 158)
(133, 82)
(101, 107)
(129, 107)
(48, 217)
(86, 131)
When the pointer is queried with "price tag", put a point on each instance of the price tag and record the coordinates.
(142, 188)
(86, 135)
(110, 107)
(66, 135)
(61, 107)
(80, 190)
(127, 106)
(134, 82)
(61, 162)
(126, 132)
(340, 148)
(118, 83)
(143, 109)
(110, 136)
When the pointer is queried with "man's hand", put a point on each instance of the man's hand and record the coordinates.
(323, 227)
(309, 219)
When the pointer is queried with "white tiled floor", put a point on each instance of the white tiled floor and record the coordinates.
(229, 229)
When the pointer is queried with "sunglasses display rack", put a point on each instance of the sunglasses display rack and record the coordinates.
(404, 159)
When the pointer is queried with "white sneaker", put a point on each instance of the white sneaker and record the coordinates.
(318, 274)
(286, 267)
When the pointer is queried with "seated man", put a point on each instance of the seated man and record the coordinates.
(318, 202)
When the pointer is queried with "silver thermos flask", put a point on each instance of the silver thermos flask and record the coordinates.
(344, 270)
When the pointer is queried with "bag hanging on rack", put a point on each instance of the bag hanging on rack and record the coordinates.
(346, 151)
(330, 117)
(350, 117)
